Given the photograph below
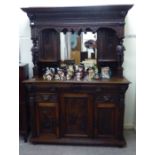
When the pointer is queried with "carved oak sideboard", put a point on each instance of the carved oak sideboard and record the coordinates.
(70, 111)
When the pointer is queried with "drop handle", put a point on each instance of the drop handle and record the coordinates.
(45, 97)
(107, 98)
(76, 88)
(98, 90)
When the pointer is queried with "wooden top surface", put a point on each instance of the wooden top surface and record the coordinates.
(114, 80)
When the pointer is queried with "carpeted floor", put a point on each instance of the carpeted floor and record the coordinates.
(30, 149)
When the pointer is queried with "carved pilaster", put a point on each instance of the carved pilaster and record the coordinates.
(32, 115)
(35, 55)
(35, 42)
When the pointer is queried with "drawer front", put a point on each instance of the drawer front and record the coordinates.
(45, 88)
(46, 97)
(106, 98)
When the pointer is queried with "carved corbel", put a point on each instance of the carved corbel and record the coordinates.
(32, 18)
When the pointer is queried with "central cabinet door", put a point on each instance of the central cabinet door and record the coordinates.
(76, 119)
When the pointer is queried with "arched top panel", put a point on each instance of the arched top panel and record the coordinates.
(116, 30)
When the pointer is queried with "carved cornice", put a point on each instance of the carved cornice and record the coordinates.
(79, 18)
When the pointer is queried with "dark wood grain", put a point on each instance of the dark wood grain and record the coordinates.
(69, 111)
(23, 109)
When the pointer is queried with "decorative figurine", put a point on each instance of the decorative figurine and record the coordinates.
(76, 68)
(105, 73)
(96, 77)
(79, 72)
(91, 73)
(57, 77)
(61, 74)
(49, 74)
(70, 72)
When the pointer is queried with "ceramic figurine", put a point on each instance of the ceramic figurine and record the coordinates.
(78, 76)
(70, 72)
(76, 68)
(79, 72)
(57, 77)
(91, 73)
(105, 73)
(48, 74)
(61, 74)
(96, 76)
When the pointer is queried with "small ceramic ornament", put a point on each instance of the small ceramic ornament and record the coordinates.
(48, 74)
(70, 72)
(78, 76)
(61, 74)
(105, 73)
(91, 73)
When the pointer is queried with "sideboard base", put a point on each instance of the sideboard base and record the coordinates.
(79, 141)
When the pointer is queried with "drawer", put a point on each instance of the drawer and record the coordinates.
(106, 98)
(45, 88)
(106, 89)
(46, 97)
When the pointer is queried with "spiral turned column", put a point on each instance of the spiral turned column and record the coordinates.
(35, 42)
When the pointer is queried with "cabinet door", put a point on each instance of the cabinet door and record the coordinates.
(47, 120)
(105, 120)
(106, 45)
(76, 118)
(50, 46)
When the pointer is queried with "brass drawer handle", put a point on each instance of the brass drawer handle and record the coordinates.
(98, 90)
(107, 98)
(45, 97)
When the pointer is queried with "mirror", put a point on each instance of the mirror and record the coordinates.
(79, 48)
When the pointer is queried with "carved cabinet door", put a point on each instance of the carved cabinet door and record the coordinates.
(106, 117)
(106, 45)
(47, 119)
(105, 120)
(50, 46)
(76, 119)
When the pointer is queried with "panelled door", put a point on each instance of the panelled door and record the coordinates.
(76, 119)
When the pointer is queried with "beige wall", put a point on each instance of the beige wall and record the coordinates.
(129, 42)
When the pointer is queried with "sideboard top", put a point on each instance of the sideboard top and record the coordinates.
(113, 80)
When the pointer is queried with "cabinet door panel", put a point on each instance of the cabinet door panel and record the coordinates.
(47, 121)
(50, 46)
(106, 117)
(106, 44)
(76, 115)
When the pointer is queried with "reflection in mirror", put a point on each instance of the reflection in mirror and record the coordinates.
(79, 48)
